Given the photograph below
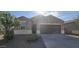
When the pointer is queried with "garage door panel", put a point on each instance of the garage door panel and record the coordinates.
(50, 29)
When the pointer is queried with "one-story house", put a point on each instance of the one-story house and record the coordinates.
(71, 27)
(47, 25)
(24, 27)
(24, 23)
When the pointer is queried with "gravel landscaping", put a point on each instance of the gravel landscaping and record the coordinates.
(20, 41)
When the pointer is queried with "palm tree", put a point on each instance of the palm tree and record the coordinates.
(8, 23)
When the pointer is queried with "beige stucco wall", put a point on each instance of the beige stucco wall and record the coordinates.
(47, 20)
(22, 32)
(75, 31)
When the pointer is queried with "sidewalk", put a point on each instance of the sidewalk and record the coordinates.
(75, 36)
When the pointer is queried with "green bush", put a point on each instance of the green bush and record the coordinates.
(9, 35)
(22, 27)
(33, 37)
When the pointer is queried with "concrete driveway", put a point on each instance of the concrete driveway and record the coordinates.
(60, 41)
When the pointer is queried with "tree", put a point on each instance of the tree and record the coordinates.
(8, 23)
(77, 20)
(17, 24)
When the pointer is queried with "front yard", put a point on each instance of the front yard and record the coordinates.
(42, 41)
(25, 41)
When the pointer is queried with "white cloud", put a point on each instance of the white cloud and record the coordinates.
(46, 13)
(54, 13)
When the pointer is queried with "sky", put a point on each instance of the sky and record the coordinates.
(64, 15)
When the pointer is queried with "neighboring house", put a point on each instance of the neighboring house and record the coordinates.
(25, 26)
(71, 27)
(47, 25)
(24, 23)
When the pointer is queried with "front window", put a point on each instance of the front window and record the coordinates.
(23, 25)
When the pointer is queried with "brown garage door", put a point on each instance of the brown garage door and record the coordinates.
(50, 29)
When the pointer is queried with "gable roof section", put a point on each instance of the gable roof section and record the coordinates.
(46, 19)
(69, 21)
(54, 19)
(23, 18)
(37, 19)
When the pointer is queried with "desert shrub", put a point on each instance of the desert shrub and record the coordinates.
(33, 37)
